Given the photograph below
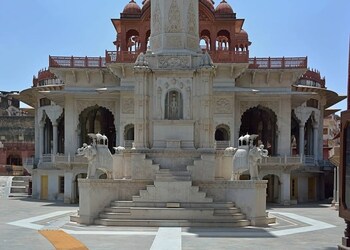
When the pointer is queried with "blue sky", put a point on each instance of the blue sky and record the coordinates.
(32, 30)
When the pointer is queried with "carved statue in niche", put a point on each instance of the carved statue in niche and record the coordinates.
(173, 105)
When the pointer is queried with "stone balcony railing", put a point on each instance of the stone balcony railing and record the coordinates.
(49, 159)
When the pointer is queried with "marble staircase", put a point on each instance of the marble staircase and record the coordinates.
(172, 201)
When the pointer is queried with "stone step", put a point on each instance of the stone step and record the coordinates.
(226, 211)
(170, 213)
(146, 197)
(168, 175)
(217, 205)
(173, 178)
(173, 223)
(18, 189)
(17, 183)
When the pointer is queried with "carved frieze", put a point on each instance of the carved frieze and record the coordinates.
(156, 18)
(127, 105)
(191, 19)
(174, 62)
(174, 42)
(245, 105)
(83, 104)
(223, 105)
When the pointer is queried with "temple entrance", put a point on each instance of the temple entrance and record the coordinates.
(97, 120)
(263, 122)
(273, 188)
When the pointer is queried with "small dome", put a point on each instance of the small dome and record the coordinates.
(224, 8)
(132, 8)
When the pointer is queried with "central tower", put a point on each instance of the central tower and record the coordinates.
(174, 26)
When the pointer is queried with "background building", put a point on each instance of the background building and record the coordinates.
(16, 134)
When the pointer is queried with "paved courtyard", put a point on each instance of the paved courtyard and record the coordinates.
(308, 226)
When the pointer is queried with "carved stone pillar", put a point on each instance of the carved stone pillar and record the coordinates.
(285, 188)
(141, 107)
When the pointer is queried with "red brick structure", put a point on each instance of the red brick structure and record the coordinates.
(16, 135)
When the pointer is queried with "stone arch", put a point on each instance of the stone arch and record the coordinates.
(173, 105)
(205, 40)
(133, 41)
(263, 122)
(97, 119)
(223, 41)
(14, 159)
(273, 188)
(129, 135)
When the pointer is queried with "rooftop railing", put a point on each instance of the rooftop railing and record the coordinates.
(76, 62)
(278, 63)
(219, 56)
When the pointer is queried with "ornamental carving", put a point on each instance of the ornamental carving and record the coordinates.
(174, 62)
(156, 19)
(128, 106)
(244, 106)
(223, 106)
(82, 105)
(174, 42)
(191, 19)
(174, 18)
(192, 43)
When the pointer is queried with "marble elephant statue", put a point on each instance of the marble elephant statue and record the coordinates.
(240, 163)
(98, 155)
(247, 159)
(89, 152)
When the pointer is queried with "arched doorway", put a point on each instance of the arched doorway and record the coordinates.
(273, 188)
(98, 119)
(14, 160)
(129, 135)
(263, 122)
(222, 136)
